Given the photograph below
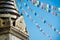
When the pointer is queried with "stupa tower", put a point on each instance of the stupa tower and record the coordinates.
(12, 25)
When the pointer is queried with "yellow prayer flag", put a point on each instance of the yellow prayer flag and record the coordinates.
(59, 9)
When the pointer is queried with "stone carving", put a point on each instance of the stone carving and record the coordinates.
(20, 24)
(4, 37)
(4, 22)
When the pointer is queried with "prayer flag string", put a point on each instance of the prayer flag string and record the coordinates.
(41, 18)
(46, 7)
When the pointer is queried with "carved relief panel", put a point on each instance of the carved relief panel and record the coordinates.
(20, 24)
(4, 22)
(4, 37)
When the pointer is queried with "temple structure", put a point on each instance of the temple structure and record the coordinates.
(12, 25)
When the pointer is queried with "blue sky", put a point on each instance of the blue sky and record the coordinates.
(34, 32)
